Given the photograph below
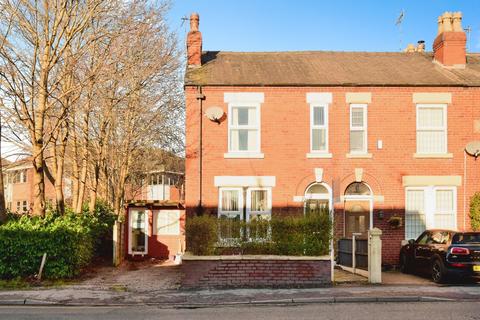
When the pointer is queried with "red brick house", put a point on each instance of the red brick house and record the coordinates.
(373, 135)
(19, 187)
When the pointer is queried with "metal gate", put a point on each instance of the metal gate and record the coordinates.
(345, 256)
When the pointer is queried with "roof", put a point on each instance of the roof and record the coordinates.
(155, 203)
(329, 68)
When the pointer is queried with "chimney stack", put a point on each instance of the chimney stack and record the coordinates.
(449, 45)
(194, 42)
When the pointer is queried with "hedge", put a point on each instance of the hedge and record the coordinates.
(308, 235)
(475, 211)
(70, 242)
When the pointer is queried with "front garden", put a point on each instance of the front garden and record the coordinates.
(280, 252)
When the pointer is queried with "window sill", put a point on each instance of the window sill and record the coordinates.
(319, 155)
(359, 155)
(241, 155)
(433, 155)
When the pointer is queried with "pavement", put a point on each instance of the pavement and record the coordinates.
(207, 298)
(157, 283)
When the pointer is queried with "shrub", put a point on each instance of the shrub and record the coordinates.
(308, 235)
(201, 234)
(475, 211)
(70, 241)
(302, 236)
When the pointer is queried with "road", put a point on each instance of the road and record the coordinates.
(337, 311)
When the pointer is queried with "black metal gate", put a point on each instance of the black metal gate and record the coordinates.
(344, 253)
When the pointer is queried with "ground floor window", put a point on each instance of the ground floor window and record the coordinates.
(167, 222)
(22, 206)
(238, 204)
(428, 208)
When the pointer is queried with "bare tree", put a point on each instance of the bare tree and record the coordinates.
(42, 33)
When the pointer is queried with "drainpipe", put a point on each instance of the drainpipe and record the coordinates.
(200, 97)
(464, 190)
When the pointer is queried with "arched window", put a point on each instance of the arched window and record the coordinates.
(358, 189)
(317, 198)
(316, 189)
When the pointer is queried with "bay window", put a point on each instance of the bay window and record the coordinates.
(428, 208)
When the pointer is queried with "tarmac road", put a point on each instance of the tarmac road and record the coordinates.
(336, 311)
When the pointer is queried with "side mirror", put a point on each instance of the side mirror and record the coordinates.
(411, 241)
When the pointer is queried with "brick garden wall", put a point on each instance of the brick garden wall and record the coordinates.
(255, 272)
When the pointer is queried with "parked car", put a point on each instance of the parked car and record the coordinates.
(443, 254)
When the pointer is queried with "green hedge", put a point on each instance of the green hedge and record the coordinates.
(308, 235)
(475, 211)
(70, 242)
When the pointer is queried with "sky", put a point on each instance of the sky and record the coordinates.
(340, 25)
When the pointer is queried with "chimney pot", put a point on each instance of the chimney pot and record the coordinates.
(457, 22)
(440, 25)
(421, 46)
(194, 21)
(447, 22)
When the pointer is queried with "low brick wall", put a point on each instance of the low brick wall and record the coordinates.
(255, 272)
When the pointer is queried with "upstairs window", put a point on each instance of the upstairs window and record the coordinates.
(244, 129)
(358, 128)
(319, 128)
(20, 176)
(431, 128)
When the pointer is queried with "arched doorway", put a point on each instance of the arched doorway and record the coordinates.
(358, 209)
(318, 198)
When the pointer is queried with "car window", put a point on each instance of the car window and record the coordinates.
(423, 238)
(439, 237)
(461, 238)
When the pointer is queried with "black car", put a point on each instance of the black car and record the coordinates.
(442, 253)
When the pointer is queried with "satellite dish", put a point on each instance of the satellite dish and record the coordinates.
(473, 148)
(214, 114)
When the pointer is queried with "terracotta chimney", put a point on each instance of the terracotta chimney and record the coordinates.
(194, 42)
(449, 46)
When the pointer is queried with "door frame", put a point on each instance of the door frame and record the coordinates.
(368, 198)
(145, 230)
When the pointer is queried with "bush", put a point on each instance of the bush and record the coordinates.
(308, 235)
(70, 242)
(475, 211)
(201, 235)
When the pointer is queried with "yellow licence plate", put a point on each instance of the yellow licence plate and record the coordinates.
(476, 268)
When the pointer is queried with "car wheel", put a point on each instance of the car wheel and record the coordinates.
(438, 272)
(404, 267)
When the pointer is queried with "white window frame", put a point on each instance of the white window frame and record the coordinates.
(156, 215)
(444, 128)
(231, 214)
(247, 127)
(324, 126)
(430, 204)
(145, 230)
(362, 128)
(249, 202)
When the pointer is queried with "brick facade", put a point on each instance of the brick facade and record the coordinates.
(255, 272)
(285, 141)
